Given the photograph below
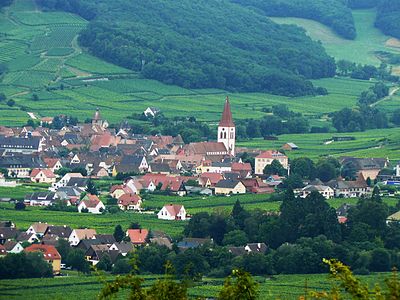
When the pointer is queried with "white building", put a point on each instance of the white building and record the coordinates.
(172, 212)
(227, 129)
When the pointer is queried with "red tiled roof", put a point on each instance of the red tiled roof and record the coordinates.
(49, 252)
(271, 154)
(173, 209)
(241, 167)
(91, 200)
(47, 172)
(138, 236)
(129, 199)
(226, 119)
(50, 162)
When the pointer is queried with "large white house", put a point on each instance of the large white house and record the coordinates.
(266, 158)
(172, 212)
(92, 203)
(81, 234)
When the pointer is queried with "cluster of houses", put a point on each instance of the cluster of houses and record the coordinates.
(155, 163)
(43, 237)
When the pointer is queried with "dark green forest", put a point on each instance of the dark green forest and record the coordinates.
(355, 4)
(333, 13)
(197, 44)
(388, 17)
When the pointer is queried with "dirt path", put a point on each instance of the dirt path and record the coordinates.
(391, 93)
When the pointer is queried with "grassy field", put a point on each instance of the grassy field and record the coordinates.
(361, 50)
(41, 51)
(88, 287)
(382, 143)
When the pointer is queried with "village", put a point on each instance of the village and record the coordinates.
(71, 160)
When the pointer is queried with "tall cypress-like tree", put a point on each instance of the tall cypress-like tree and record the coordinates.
(118, 233)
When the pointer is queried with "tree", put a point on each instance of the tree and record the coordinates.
(2, 97)
(11, 103)
(303, 167)
(380, 260)
(76, 260)
(239, 286)
(292, 182)
(20, 205)
(91, 188)
(122, 266)
(35, 97)
(63, 247)
(235, 238)
(118, 233)
(105, 263)
(24, 265)
(326, 171)
(275, 168)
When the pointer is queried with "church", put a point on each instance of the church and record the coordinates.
(225, 145)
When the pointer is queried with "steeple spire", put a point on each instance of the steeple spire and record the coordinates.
(226, 120)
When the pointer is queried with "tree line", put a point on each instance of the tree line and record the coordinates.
(333, 13)
(199, 45)
(388, 17)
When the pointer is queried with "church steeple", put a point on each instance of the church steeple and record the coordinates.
(226, 120)
(226, 129)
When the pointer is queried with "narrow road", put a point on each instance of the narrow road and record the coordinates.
(391, 93)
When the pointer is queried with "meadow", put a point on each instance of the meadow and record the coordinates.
(45, 53)
(88, 287)
(383, 143)
(361, 50)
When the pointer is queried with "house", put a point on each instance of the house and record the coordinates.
(256, 186)
(393, 218)
(209, 179)
(131, 164)
(129, 202)
(27, 237)
(227, 187)
(62, 231)
(290, 147)
(209, 166)
(38, 228)
(324, 190)
(244, 169)
(65, 180)
(151, 112)
(50, 254)
(96, 252)
(117, 191)
(172, 212)
(350, 189)
(40, 198)
(91, 203)
(7, 233)
(214, 151)
(27, 145)
(365, 167)
(137, 236)
(19, 166)
(13, 247)
(43, 176)
(266, 158)
(81, 234)
(134, 184)
(123, 247)
(105, 239)
(53, 164)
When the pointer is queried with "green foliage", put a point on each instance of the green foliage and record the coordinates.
(20, 205)
(388, 17)
(122, 266)
(361, 118)
(303, 167)
(63, 247)
(222, 54)
(239, 286)
(105, 263)
(24, 265)
(235, 238)
(275, 168)
(77, 261)
(91, 188)
(119, 233)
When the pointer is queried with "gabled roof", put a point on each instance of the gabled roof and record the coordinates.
(129, 199)
(91, 201)
(63, 231)
(40, 227)
(226, 119)
(49, 252)
(9, 245)
(227, 184)
(46, 172)
(137, 236)
(173, 209)
(83, 234)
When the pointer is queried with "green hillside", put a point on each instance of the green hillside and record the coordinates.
(362, 49)
(213, 44)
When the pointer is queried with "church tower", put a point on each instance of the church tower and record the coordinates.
(96, 120)
(227, 129)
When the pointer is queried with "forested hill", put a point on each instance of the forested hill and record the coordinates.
(362, 3)
(388, 18)
(201, 44)
(333, 13)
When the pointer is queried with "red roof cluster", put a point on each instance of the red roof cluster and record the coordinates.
(138, 236)
(49, 252)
